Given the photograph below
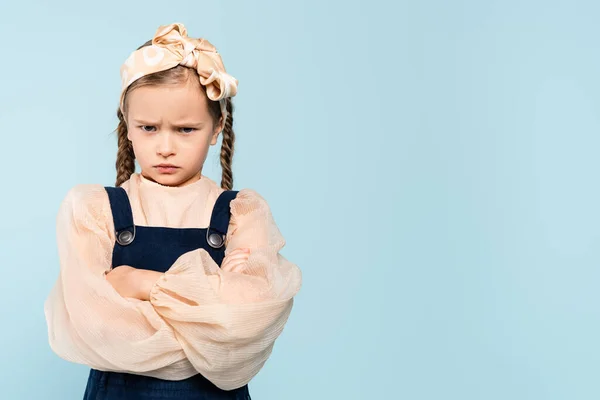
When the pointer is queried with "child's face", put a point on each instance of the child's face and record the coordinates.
(170, 125)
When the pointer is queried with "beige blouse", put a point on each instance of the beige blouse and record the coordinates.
(200, 318)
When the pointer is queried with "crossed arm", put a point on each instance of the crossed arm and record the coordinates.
(137, 283)
(197, 317)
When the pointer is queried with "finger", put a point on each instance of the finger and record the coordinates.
(234, 261)
(234, 266)
(239, 251)
(237, 257)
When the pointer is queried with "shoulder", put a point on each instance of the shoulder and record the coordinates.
(85, 200)
(85, 193)
(252, 220)
(249, 201)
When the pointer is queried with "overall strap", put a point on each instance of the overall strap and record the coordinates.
(122, 215)
(219, 221)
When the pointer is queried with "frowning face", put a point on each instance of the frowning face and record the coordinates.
(171, 130)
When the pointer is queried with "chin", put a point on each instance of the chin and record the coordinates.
(178, 178)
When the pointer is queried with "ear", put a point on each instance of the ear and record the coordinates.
(213, 139)
(218, 129)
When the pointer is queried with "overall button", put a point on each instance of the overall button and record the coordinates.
(124, 238)
(215, 240)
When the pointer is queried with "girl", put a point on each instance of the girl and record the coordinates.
(170, 286)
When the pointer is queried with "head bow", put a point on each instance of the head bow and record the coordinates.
(171, 47)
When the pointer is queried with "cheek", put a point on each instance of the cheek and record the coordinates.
(195, 145)
(195, 150)
(141, 147)
(201, 140)
(134, 137)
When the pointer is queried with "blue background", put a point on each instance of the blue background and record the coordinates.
(433, 166)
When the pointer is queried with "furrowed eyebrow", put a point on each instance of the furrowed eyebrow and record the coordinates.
(189, 123)
(145, 121)
(184, 124)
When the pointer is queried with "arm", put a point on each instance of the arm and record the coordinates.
(88, 321)
(137, 283)
(132, 282)
(227, 319)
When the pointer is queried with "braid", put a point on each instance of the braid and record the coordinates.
(125, 157)
(227, 149)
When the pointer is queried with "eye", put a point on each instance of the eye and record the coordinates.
(147, 128)
(188, 130)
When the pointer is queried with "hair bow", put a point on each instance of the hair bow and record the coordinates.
(170, 47)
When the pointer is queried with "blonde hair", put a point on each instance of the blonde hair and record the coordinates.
(125, 164)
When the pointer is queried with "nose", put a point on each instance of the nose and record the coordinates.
(166, 145)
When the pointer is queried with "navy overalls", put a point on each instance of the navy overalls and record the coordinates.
(157, 248)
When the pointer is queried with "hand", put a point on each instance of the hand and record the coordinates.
(132, 282)
(235, 260)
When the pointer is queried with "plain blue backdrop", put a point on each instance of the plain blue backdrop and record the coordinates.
(433, 166)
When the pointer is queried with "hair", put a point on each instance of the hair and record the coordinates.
(125, 164)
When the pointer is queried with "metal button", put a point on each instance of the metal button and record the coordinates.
(125, 238)
(215, 240)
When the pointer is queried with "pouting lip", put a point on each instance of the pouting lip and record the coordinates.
(166, 166)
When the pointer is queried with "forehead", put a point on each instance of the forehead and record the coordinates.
(168, 101)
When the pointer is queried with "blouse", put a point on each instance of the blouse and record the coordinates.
(200, 318)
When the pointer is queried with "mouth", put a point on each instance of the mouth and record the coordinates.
(166, 168)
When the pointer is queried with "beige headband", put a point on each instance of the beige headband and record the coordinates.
(171, 47)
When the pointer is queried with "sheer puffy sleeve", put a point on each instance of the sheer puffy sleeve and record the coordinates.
(228, 321)
(88, 321)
